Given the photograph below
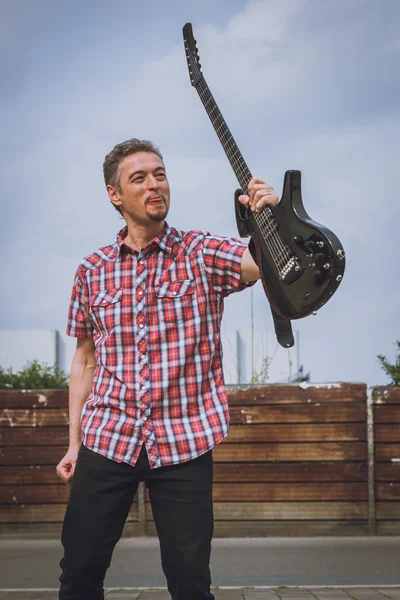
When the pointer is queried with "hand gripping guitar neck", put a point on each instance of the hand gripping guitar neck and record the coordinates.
(301, 262)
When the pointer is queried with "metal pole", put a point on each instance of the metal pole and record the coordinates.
(252, 334)
(371, 464)
(141, 509)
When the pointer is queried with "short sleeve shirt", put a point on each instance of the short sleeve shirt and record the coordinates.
(155, 319)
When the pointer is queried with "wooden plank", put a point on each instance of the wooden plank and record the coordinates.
(386, 395)
(34, 494)
(290, 510)
(286, 472)
(52, 530)
(57, 493)
(387, 433)
(388, 528)
(260, 511)
(37, 455)
(34, 436)
(331, 413)
(25, 417)
(295, 432)
(387, 413)
(224, 529)
(225, 472)
(387, 472)
(260, 529)
(41, 513)
(388, 490)
(322, 451)
(387, 510)
(290, 492)
(34, 474)
(309, 432)
(268, 394)
(292, 394)
(385, 452)
(33, 399)
(241, 473)
(239, 414)
(273, 492)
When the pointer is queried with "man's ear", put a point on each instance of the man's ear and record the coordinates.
(114, 195)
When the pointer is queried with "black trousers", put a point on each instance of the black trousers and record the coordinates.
(100, 498)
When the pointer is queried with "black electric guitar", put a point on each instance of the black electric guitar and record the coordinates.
(301, 262)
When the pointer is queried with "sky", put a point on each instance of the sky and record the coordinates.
(303, 84)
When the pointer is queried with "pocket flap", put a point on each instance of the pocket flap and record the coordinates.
(105, 297)
(175, 289)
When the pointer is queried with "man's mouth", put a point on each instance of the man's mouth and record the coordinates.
(156, 200)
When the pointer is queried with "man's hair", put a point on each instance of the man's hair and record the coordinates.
(120, 151)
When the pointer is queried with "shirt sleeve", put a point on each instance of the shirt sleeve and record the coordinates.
(223, 258)
(79, 324)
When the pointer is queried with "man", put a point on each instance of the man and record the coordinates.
(147, 394)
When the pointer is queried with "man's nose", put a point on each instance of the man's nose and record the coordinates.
(151, 182)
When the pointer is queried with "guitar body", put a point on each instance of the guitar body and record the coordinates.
(319, 258)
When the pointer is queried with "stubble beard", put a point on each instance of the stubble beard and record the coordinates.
(160, 215)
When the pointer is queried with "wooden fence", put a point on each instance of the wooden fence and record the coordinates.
(386, 418)
(297, 461)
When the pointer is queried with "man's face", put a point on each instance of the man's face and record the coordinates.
(145, 193)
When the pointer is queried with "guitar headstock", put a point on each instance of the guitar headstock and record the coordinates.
(192, 55)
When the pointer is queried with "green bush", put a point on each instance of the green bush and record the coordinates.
(263, 375)
(392, 371)
(34, 376)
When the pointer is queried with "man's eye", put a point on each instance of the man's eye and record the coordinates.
(138, 179)
(161, 176)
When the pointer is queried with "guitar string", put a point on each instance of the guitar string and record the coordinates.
(236, 164)
(279, 250)
(267, 227)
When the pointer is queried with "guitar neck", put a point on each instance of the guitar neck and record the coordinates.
(232, 151)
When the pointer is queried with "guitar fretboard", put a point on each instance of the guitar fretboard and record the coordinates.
(229, 145)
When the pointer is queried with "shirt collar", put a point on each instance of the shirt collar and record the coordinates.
(168, 239)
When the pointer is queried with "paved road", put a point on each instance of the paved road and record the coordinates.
(272, 562)
(245, 594)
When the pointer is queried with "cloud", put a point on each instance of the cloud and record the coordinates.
(301, 84)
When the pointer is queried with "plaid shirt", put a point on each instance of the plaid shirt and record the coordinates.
(155, 320)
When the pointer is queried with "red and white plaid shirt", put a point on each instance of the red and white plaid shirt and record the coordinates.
(155, 320)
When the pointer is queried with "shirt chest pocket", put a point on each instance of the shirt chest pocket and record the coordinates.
(106, 309)
(175, 300)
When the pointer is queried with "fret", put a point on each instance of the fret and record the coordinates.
(230, 147)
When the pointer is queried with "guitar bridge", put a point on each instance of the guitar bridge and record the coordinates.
(291, 270)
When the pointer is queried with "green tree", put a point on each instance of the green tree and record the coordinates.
(392, 370)
(34, 376)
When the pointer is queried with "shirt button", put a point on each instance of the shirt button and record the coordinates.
(174, 293)
(141, 325)
(140, 293)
